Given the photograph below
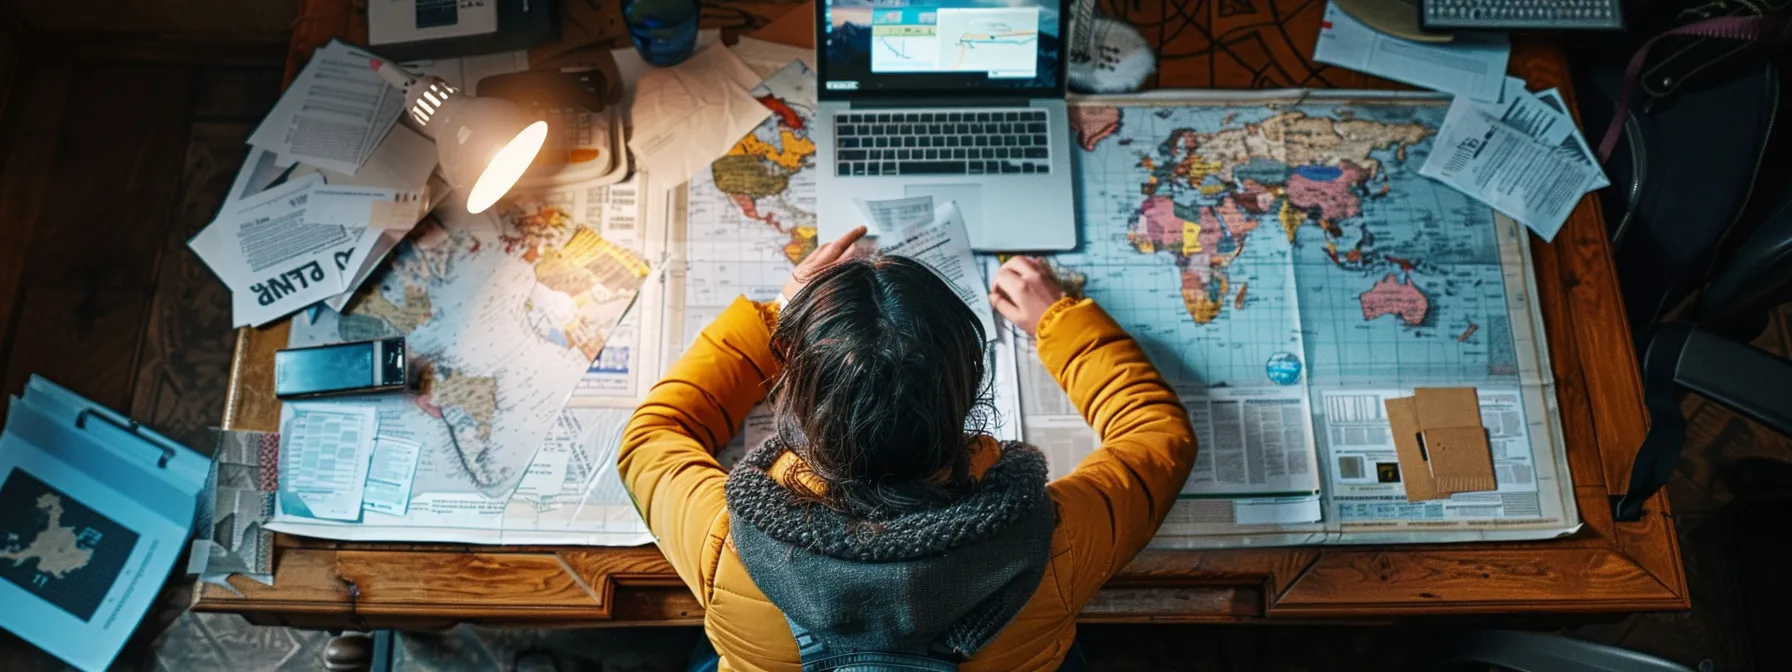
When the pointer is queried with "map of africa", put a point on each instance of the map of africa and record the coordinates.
(1253, 244)
(502, 316)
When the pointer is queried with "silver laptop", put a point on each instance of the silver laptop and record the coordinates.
(961, 100)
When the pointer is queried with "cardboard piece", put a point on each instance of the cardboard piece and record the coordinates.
(1441, 443)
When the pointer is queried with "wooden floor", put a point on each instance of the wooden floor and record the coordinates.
(116, 154)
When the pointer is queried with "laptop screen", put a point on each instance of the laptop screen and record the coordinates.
(872, 46)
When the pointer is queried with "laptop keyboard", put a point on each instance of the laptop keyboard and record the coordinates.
(995, 142)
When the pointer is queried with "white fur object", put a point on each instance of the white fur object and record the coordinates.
(1120, 59)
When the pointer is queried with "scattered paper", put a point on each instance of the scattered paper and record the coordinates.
(324, 453)
(1498, 165)
(369, 207)
(767, 58)
(630, 67)
(334, 114)
(587, 506)
(943, 244)
(688, 115)
(389, 476)
(1529, 115)
(896, 214)
(1575, 145)
(1276, 510)
(365, 260)
(261, 169)
(404, 161)
(1473, 65)
(272, 258)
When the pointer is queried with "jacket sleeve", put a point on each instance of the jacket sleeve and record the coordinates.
(1110, 506)
(667, 459)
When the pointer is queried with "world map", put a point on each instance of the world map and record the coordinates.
(502, 316)
(1252, 244)
(757, 174)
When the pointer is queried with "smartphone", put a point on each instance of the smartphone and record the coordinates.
(362, 367)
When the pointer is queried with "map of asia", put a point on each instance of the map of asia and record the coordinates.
(1251, 244)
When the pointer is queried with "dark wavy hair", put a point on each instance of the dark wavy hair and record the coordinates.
(884, 368)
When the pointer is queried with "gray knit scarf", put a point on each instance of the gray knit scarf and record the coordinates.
(944, 580)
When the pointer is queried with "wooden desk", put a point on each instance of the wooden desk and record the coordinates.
(1607, 568)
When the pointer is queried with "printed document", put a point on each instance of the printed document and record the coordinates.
(324, 453)
(1516, 174)
(570, 494)
(944, 245)
(1472, 65)
(334, 114)
(389, 477)
(273, 259)
(896, 214)
(691, 114)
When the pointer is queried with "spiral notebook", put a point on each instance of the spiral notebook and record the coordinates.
(94, 509)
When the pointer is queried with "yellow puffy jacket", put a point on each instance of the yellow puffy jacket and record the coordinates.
(1108, 508)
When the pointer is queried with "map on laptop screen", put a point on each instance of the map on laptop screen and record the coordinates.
(873, 45)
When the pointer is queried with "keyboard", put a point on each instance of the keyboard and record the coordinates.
(1521, 14)
(994, 142)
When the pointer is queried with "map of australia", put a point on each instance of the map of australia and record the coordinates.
(1290, 237)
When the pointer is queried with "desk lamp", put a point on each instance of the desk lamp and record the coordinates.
(484, 144)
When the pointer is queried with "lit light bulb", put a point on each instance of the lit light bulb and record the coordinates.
(484, 144)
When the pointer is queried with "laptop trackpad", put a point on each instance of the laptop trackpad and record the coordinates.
(968, 196)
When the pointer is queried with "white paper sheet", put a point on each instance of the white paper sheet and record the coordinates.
(589, 507)
(1472, 65)
(324, 453)
(945, 246)
(389, 476)
(688, 115)
(366, 258)
(767, 58)
(272, 258)
(1498, 165)
(1574, 147)
(630, 67)
(260, 170)
(1276, 510)
(897, 213)
(335, 112)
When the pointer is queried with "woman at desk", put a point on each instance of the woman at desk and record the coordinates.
(874, 522)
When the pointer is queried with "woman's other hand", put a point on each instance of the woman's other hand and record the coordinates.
(1023, 290)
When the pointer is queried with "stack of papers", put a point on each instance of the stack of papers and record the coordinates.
(334, 114)
(1523, 157)
(331, 185)
(691, 114)
(1518, 152)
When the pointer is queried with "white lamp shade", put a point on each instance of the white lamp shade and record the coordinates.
(484, 144)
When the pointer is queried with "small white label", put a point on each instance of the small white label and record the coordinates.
(843, 86)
